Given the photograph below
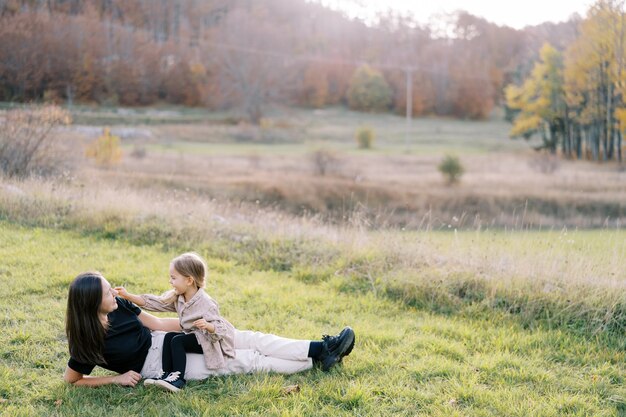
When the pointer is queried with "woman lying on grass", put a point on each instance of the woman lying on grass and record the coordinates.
(205, 331)
(105, 330)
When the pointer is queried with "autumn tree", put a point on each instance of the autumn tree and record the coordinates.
(315, 86)
(20, 49)
(403, 42)
(541, 101)
(253, 66)
(369, 90)
(578, 100)
(595, 80)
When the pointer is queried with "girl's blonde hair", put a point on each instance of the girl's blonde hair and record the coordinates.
(191, 265)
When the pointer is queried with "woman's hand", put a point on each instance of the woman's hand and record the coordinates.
(128, 379)
(202, 324)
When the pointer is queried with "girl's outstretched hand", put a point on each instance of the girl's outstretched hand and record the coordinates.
(121, 291)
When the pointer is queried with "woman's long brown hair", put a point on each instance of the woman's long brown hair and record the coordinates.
(85, 333)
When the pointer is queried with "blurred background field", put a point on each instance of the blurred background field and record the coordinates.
(308, 162)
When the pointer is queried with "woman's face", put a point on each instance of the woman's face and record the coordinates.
(108, 303)
(179, 282)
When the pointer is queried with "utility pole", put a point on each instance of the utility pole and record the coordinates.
(409, 107)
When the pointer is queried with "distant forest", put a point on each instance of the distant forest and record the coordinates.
(246, 54)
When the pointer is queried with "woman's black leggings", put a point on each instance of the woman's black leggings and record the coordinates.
(175, 345)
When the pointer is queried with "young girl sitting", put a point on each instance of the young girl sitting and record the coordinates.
(206, 332)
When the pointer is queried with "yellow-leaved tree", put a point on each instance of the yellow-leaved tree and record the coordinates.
(578, 100)
(593, 79)
(106, 149)
(540, 101)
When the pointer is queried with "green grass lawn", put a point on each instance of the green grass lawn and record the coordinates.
(406, 361)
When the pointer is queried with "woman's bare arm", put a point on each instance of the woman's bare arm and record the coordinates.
(159, 323)
(129, 379)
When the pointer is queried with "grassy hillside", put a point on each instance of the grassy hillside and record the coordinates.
(566, 279)
(407, 361)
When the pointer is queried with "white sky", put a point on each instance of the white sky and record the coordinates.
(517, 14)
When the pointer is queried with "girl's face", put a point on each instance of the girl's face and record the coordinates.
(108, 303)
(179, 282)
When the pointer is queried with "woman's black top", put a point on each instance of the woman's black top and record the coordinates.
(126, 344)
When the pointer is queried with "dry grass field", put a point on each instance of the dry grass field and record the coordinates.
(394, 184)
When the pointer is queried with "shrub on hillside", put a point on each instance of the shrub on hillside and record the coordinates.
(365, 137)
(27, 145)
(369, 90)
(139, 152)
(106, 149)
(451, 168)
